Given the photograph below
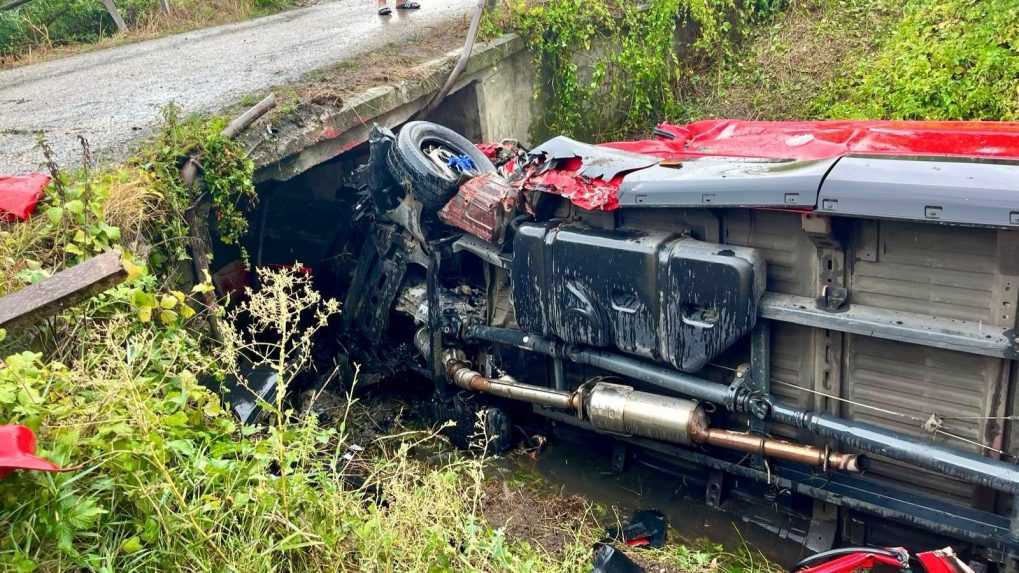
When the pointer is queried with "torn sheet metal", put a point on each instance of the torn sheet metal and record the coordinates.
(586, 193)
(596, 162)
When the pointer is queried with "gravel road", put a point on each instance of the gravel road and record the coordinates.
(113, 97)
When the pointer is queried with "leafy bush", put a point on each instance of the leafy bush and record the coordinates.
(610, 68)
(53, 22)
(946, 59)
(165, 480)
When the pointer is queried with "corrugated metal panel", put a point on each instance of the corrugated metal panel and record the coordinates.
(924, 268)
(790, 258)
(915, 381)
(791, 363)
(778, 236)
(933, 269)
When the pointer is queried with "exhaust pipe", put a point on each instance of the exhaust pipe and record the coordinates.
(966, 466)
(622, 410)
(460, 373)
(619, 409)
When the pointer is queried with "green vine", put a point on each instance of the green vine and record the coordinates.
(227, 172)
(635, 74)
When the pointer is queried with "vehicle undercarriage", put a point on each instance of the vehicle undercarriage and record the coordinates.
(818, 315)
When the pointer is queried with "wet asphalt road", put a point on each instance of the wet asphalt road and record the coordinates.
(113, 97)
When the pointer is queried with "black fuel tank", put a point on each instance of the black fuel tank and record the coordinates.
(654, 294)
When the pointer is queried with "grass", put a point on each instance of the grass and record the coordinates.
(49, 29)
(869, 59)
(165, 480)
(787, 62)
(945, 59)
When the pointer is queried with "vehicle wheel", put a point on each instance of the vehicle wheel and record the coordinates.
(420, 161)
(465, 414)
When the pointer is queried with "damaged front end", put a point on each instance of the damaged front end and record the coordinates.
(719, 310)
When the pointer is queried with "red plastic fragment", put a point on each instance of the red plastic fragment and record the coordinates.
(17, 452)
(19, 195)
(853, 562)
(942, 561)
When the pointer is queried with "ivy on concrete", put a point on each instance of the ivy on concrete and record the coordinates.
(611, 68)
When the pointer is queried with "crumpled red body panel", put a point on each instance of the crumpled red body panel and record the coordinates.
(854, 562)
(17, 451)
(805, 140)
(20, 194)
(586, 193)
(798, 140)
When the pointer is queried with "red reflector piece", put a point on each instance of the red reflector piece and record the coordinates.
(19, 195)
(17, 451)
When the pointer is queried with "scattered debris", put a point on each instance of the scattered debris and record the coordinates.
(608, 559)
(17, 452)
(646, 528)
(245, 396)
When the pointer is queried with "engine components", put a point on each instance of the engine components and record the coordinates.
(654, 294)
(483, 206)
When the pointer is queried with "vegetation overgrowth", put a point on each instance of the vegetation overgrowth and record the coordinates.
(44, 27)
(945, 59)
(611, 69)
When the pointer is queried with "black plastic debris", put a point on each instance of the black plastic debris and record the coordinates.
(646, 528)
(244, 397)
(608, 559)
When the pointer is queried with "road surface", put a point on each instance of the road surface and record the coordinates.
(113, 97)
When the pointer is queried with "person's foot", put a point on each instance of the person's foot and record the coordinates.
(408, 6)
(384, 10)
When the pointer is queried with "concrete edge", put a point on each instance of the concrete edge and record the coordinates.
(341, 129)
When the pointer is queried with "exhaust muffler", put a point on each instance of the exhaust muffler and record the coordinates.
(620, 409)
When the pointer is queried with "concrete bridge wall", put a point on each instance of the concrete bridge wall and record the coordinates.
(492, 100)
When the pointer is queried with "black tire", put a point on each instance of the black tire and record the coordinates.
(418, 174)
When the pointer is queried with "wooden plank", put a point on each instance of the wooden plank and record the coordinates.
(61, 290)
